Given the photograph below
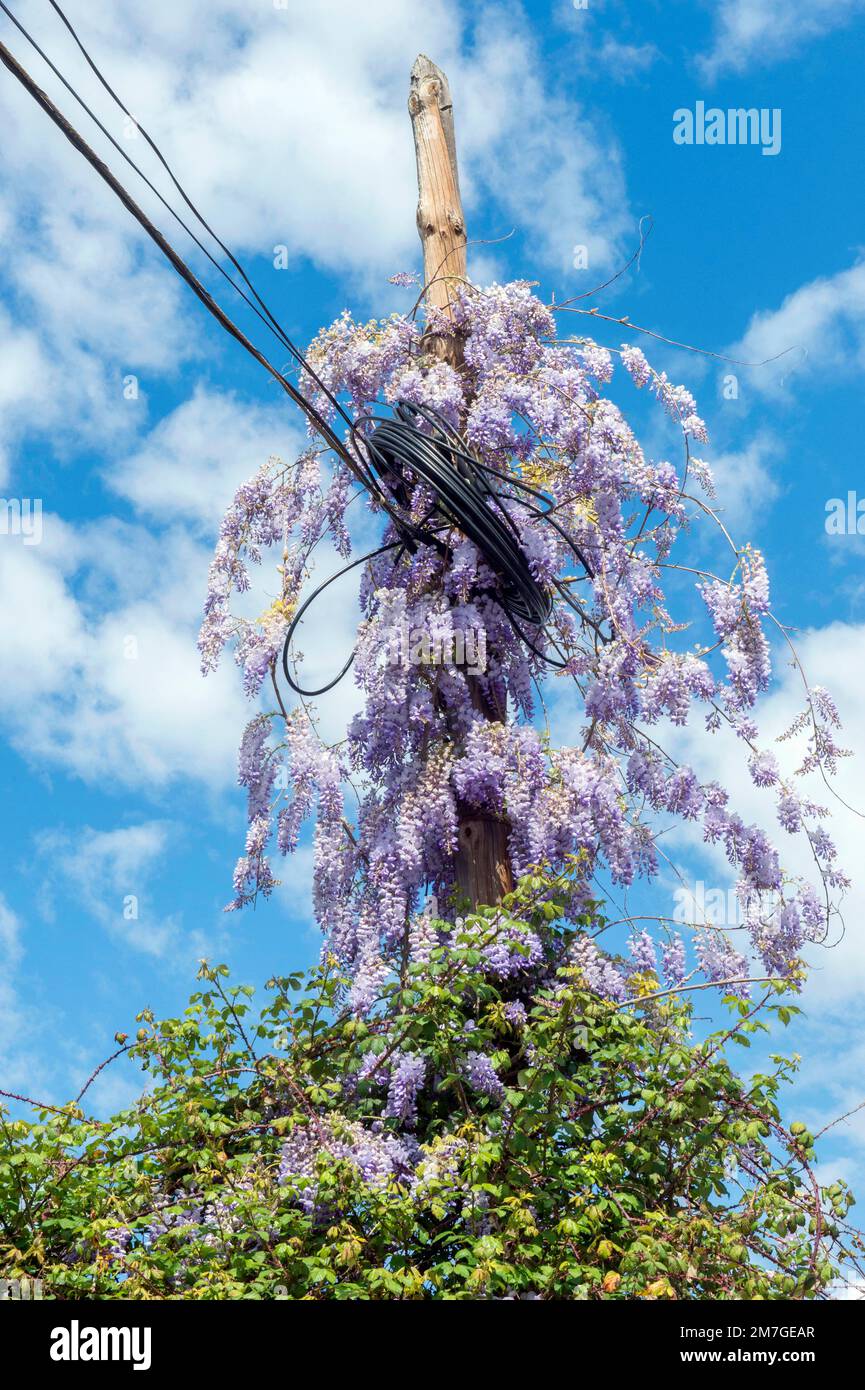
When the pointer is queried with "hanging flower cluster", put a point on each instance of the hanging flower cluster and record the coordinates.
(435, 737)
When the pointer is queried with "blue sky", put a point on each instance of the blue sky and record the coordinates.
(289, 128)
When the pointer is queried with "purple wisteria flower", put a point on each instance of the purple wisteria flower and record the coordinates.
(385, 804)
(407, 1076)
(481, 1076)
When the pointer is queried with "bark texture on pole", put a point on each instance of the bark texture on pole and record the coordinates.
(440, 220)
(482, 866)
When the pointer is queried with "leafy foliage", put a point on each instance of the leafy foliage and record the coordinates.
(469, 1137)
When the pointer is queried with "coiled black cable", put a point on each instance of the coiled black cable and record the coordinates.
(402, 454)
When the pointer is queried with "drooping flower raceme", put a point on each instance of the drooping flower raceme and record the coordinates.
(432, 741)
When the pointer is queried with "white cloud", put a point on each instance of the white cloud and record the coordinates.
(84, 311)
(745, 481)
(99, 625)
(98, 629)
(823, 322)
(110, 873)
(193, 461)
(624, 61)
(748, 33)
(113, 875)
(10, 954)
(290, 126)
(294, 894)
(20, 1024)
(40, 624)
(24, 370)
(77, 693)
(548, 164)
(115, 859)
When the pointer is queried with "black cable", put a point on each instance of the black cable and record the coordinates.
(140, 172)
(439, 461)
(78, 143)
(259, 308)
(392, 456)
(309, 694)
(266, 315)
(463, 495)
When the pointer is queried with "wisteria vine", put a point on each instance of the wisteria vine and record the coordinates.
(385, 801)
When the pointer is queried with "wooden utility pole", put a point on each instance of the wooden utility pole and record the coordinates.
(482, 865)
(440, 220)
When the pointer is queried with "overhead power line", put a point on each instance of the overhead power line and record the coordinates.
(388, 456)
